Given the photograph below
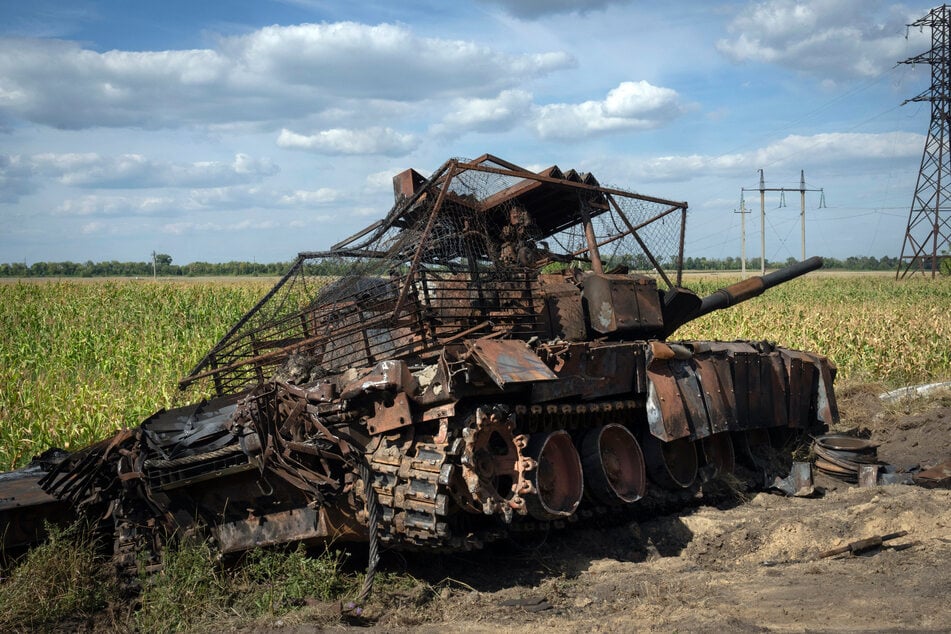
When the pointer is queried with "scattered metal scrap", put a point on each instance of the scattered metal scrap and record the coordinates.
(857, 547)
(936, 477)
(855, 460)
(494, 355)
(864, 545)
(842, 456)
(799, 482)
(912, 391)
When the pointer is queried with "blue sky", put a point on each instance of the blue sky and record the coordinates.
(252, 130)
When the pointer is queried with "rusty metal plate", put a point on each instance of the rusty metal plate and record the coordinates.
(692, 396)
(389, 417)
(386, 375)
(803, 381)
(779, 384)
(936, 477)
(563, 314)
(608, 370)
(619, 303)
(510, 361)
(827, 409)
(716, 395)
(20, 489)
(25, 508)
(298, 524)
(818, 373)
(666, 415)
(743, 373)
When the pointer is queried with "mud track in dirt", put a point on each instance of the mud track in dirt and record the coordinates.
(741, 567)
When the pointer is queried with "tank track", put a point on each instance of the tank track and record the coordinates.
(412, 487)
(417, 483)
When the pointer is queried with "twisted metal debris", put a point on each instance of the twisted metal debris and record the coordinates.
(494, 355)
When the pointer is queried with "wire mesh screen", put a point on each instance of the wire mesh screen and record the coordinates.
(458, 256)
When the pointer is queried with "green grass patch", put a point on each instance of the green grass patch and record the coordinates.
(195, 591)
(60, 580)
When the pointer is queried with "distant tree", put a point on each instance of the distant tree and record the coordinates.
(163, 259)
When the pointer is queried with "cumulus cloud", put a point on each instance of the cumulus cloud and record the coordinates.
(833, 40)
(181, 228)
(273, 73)
(819, 149)
(177, 202)
(381, 180)
(247, 224)
(534, 9)
(303, 198)
(244, 197)
(496, 114)
(374, 140)
(98, 205)
(631, 106)
(92, 170)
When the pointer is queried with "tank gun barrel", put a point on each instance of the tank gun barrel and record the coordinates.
(754, 286)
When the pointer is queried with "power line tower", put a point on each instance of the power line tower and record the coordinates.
(929, 220)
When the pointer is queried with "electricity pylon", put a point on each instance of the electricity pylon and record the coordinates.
(929, 220)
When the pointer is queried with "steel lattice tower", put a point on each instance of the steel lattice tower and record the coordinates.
(929, 220)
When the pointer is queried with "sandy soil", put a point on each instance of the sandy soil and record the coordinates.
(741, 566)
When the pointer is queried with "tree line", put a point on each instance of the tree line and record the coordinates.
(114, 268)
(164, 267)
(851, 263)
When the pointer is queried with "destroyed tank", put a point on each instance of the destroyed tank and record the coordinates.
(495, 355)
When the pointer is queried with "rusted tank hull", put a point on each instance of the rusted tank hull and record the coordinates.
(488, 439)
(468, 366)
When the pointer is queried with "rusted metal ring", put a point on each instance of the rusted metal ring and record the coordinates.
(847, 443)
(614, 468)
(717, 451)
(673, 465)
(557, 479)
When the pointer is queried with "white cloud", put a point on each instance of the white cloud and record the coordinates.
(833, 40)
(374, 140)
(381, 180)
(534, 9)
(241, 197)
(631, 106)
(97, 205)
(92, 170)
(94, 227)
(247, 224)
(301, 198)
(182, 228)
(274, 73)
(817, 150)
(195, 201)
(496, 114)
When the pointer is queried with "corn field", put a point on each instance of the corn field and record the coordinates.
(875, 329)
(79, 360)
